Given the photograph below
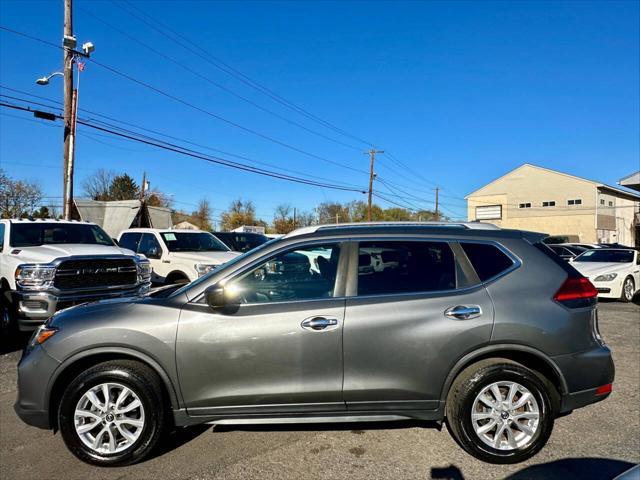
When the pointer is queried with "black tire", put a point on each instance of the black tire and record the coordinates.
(176, 278)
(470, 383)
(623, 295)
(8, 322)
(143, 382)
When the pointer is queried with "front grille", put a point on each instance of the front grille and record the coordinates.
(94, 273)
(604, 290)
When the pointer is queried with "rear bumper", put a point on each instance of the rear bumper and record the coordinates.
(34, 307)
(584, 373)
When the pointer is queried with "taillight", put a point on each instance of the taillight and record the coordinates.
(576, 292)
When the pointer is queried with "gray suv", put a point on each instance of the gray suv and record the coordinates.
(482, 328)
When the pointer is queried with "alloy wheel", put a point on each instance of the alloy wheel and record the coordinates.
(109, 418)
(628, 289)
(505, 415)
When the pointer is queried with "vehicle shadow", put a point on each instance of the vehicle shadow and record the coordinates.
(359, 427)
(176, 439)
(564, 469)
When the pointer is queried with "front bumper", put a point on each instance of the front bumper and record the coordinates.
(584, 373)
(34, 307)
(34, 372)
(612, 289)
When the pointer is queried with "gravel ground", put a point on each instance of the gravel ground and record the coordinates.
(597, 442)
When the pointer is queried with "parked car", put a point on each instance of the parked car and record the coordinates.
(480, 327)
(241, 241)
(567, 251)
(47, 265)
(615, 272)
(177, 256)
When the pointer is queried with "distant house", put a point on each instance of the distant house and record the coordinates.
(115, 216)
(185, 226)
(544, 200)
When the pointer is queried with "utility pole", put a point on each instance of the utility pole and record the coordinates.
(143, 186)
(437, 189)
(68, 56)
(337, 218)
(294, 218)
(372, 159)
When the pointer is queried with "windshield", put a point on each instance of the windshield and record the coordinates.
(192, 242)
(605, 255)
(37, 233)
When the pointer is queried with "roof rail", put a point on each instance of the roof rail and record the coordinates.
(335, 226)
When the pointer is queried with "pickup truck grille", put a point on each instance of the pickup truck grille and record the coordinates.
(93, 273)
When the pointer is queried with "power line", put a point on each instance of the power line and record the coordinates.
(216, 84)
(111, 125)
(194, 154)
(199, 51)
(195, 107)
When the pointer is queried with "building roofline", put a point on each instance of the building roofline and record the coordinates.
(596, 184)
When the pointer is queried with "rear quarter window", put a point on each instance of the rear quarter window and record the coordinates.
(487, 260)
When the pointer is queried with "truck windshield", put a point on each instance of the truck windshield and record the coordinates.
(36, 234)
(192, 242)
(606, 255)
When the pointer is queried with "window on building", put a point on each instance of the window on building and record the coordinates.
(524, 205)
(611, 204)
(576, 201)
(602, 201)
(550, 203)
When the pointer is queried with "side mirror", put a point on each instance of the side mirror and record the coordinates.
(215, 296)
(153, 252)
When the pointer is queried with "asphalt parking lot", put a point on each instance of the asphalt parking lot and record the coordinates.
(597, 442)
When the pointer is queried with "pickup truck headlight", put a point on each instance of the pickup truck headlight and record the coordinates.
(32, 277)
(607, 277)
(144, 270)
(203, 268)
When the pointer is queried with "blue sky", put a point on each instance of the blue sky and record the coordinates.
(459, 92)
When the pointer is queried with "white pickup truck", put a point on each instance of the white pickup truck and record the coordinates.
(177, 256)
(47, 265)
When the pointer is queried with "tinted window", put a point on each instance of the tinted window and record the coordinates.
(130, 241)
(1, 236)
(487, 260)
(302, 274)
(149, 246)
(248, 241)
(192, 242)
(605, 255)
(35, 234)
(402, 267)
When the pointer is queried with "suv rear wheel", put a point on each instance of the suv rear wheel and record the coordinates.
(500, 411)
(113, 413)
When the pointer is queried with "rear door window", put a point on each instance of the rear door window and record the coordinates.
(405, 267)
(487, 260)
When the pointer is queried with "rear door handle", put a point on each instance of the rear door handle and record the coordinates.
(463, 312)
(317, 324)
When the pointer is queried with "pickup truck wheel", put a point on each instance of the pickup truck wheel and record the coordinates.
(113, 413)
(7, 317)
(499, 411)
(176, 278)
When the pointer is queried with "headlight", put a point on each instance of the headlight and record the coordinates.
(144, 270)
(203, 268)
(606, 277)
(31, 277)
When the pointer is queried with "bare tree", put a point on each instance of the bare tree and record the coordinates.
(97, 185)
(18, 197)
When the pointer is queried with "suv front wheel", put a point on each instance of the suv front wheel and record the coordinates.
(113, 413)
(500, 411)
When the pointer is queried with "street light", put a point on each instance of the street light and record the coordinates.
(45, 80)
(72, 57)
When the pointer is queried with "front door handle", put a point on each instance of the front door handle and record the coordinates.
(463, 312)
(317, 324)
